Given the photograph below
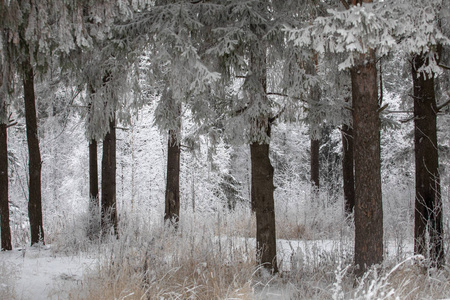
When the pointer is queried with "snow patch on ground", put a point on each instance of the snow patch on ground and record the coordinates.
(38, 273)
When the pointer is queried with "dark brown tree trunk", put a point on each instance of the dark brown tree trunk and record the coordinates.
(314, 160)
(366, 134)
(262, 193)
(94, 217)
(34, 163)
(4, 203)
(347, 169)
(93, 174)
(262, 171)
(428, 204)
(172, 207)
(108, 203)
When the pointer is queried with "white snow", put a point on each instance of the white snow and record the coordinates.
(41, 273)
(38, 273)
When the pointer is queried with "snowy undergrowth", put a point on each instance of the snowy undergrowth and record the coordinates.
(212, 256)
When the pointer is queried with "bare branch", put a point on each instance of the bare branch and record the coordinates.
(399, 111)
(11, 124)
(283, 95)
(444, 67)
(407, 120)
(346, 5)
(277, 94)
(274, 118)
(443, 105)
(382, 108)
(414, 97)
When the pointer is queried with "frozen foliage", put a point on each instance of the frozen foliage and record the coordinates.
(409, 26)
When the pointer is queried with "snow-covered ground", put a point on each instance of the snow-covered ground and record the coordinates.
(37, 273)
(42, 273)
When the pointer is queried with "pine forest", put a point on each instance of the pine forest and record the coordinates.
(225, 149)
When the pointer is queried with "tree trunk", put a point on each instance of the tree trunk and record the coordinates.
(172, 207)
(347, 169)
(34, 163)
(94, 217)
(262, 171)
(262, 193)
(108, 203)
(428, 204)
(315, 147)
(366, 129)
(93, 174)
(4, 204)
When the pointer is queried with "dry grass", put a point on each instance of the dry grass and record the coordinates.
(187, 264)
(213, 258)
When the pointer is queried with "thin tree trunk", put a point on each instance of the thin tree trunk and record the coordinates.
(347, 169)
(4, 204)
(172, 207)
(314, 161)
(93, 174)
(34, 163)
(428, 204)
(262, 194)
(366, 133)
(108, 203)
(93, 190)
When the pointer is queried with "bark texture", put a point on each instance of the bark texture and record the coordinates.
(172, 207)
(428, 203)
(314, 161)
(94, 225)
(4, 203)
(93, 173)
(108, 203)
(366, 133)
(34, 160)
(347, 169)
(262, 192)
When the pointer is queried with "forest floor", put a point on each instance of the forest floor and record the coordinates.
(42, 272)
(37, 273)
(209, 258)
